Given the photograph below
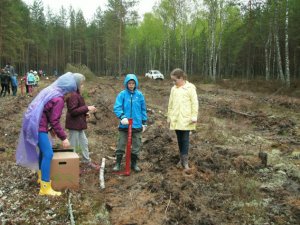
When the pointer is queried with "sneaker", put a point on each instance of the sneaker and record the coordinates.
(82, 171)
(94, 166)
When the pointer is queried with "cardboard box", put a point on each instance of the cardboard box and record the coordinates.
(65, 170)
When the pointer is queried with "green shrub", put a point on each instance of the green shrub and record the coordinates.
(83, 69)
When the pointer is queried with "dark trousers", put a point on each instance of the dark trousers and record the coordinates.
(183, 138)
(4, 89)
(14, 90)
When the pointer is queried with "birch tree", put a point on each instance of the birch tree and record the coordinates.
(278, 52)
(268, 53)
(183, 10)
(214, 13)
(287, 61)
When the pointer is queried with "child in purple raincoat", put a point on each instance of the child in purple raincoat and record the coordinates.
(45, 110)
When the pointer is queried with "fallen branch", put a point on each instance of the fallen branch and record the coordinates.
(70, 209)
(279, 89)
(101, 174)
(233, 111)
(110, 157)
(219, 107)
(168, 204)
(242, 113)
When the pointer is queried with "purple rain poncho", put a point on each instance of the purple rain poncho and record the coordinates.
(27, 154)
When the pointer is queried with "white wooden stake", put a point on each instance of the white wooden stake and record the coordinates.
(101, 174)
(70, 209)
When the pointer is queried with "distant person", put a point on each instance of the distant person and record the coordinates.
(182, 112)
(36, 79)
(55, 73)
(41, 73)
(2, 74)
(5, 82)
(10, 69)
(76, 121)
(43, 112)
(130, 103)
(30, 81)
(8, 81)
(24, 83)
(14, 84)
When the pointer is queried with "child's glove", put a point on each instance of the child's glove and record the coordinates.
(124, 121)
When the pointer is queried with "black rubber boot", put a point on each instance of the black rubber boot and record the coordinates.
(134, 165)
(117, 167)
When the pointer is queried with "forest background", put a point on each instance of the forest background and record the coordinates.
(214, 39)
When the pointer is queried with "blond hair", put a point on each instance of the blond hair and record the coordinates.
(79, 78)
(179, 73)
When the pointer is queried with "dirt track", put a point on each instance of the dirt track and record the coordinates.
(229, 183)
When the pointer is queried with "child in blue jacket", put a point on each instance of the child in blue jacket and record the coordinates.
(14, 84)
(130, 103)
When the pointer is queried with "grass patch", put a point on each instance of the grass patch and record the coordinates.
(247, 202)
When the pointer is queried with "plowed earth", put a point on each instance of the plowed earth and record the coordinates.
(245, 159)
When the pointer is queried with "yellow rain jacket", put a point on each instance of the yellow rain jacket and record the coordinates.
(183, 106)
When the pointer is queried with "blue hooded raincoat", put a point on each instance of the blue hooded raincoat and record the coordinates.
(131, 105)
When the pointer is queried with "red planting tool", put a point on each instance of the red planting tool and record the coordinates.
(126, 172)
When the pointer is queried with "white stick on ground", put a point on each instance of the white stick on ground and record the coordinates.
(70, 210)
(101, 174)
(168, 204)
(109, 157)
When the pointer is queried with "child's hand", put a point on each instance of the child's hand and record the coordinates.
(66, 143)
(92, 109)
(124, 121)
(194, 119)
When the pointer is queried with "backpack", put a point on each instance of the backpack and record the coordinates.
(30, 79)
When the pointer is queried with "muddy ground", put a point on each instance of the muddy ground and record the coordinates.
(231, 181)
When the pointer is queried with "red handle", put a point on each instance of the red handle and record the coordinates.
(126, 172)
(128, 149)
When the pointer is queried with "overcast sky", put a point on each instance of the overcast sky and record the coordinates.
(88, 7)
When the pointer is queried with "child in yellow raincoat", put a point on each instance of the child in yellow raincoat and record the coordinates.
(182, 112)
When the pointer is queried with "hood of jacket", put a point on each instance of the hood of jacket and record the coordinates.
(131, 77)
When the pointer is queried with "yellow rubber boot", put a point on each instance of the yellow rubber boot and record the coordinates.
(39, 173)
(46, 189)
